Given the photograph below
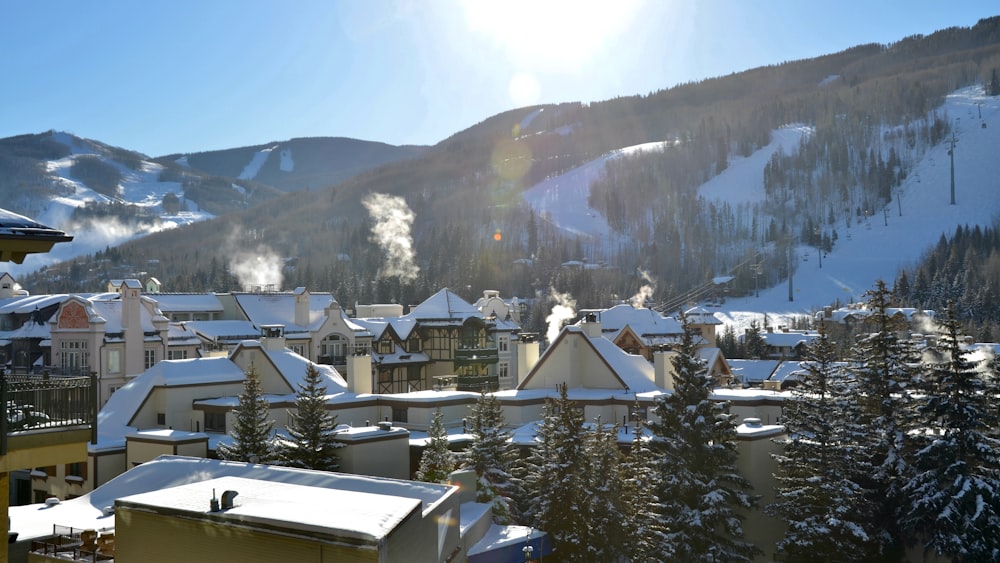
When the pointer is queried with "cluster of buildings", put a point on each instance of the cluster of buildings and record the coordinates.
(117, 401)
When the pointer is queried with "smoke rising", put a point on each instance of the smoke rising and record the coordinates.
(257, 267)
(391, 231)
(646, 291)
(563, 310)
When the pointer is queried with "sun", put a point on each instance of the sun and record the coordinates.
(551, 36)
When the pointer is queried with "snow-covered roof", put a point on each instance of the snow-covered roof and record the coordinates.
(753, 371)
(625, 371)
(701, 316)
(359, 515)
(788, 339)
(189, 303)
(279, 309)
(647, 324)
(167, 472)
(444, 305)
(226, 331)
(123, 404)
(292, 367)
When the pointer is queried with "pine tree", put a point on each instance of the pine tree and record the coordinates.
(824, 507)
(312, 430)
(754, 343)
(694, 446)
(883, 369)
(608, 515)
(953, 499)
(640, 481)
(555, 480)
(437, 461)
(492, 455)
(253, 427)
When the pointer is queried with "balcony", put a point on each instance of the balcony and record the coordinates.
(40, 404)
(477, 383)
(468, 356)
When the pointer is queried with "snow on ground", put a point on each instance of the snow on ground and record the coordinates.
(866, 251)
(252, 168)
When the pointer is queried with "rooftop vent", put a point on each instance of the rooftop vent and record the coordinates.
(385, 425)
(227, 499)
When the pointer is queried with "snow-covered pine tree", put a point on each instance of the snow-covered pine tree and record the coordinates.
(492, 455)
(882, 367)
(952, 503)
(311, 429)
(702, 492)
(827, 515)
(554, 482)
(608, 523)
(253, 427)
(437, 461)
(640, 482)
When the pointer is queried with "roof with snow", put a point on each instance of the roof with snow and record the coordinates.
(279, 309)
(189, 303)
(115, 416)
(445, 305)
(647, 324)
(623, 370)
(369, 495)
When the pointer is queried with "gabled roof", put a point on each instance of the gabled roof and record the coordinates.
(701, 316)
(279, 309)
(647, 324)
(292, 367)
(615, 368)
(444, 305)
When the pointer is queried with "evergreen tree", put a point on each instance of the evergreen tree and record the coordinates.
(437, 461)
(824, 506)
(640, 481)
(492, 455)
(555, 479)
(882, 366)
(702, 492)
(253, 427)
(754, 344)
(953, 499)
(608, 515)
(312, 430)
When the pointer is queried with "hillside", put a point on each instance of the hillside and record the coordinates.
(296, 164)
(469, 214)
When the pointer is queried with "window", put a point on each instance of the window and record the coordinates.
(150, 357)
(112, 389)
(413, 343)
(78, 469)
(215, 421)
(161, 418)
(385, 346)
(502, 343)
(114, 361)
(399, 414)
(502, 370)
(299, 349)
(74, 356)
(177, 354)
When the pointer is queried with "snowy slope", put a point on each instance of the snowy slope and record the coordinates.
(140, 187)
(872, 251)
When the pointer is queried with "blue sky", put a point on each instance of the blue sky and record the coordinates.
(187, 76)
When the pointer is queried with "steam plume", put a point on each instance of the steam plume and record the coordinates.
(646, 291)
(391, 231)
(563, 310)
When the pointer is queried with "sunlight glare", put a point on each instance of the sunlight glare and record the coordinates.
(551, 35)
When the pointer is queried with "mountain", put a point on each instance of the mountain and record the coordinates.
(668, 191)
(309, 163)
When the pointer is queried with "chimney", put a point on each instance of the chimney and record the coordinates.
(301, 306)
(591, 327)
(525, 355)
(663, 369)
(227, 499)
(359, 371)
(272, 337)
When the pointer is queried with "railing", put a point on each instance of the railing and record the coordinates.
(477, 355)
(477, 383)
(46, 402)
(74, 544)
